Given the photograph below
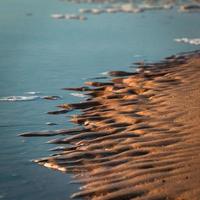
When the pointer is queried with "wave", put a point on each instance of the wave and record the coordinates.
(78, 95)
(33, 93)
(29, 98)
(193, 41)
(19, 98)
(104, 73)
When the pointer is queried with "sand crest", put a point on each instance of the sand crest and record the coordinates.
(138, 136)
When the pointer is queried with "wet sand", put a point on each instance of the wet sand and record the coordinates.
(138, 134)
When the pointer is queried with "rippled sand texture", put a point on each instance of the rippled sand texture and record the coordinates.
(140, 134)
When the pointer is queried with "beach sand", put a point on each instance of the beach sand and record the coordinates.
(139, 134)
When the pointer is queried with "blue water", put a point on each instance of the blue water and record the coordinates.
(38, 53)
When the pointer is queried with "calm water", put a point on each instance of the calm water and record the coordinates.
(38, 53)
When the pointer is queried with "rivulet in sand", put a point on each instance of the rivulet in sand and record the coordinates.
(138, 135)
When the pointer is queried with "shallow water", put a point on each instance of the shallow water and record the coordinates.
(41, 54)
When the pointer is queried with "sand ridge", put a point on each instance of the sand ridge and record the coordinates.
(138, 134)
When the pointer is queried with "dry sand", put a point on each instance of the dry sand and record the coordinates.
(139, 137)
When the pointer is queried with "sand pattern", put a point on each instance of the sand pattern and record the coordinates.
(138, 134)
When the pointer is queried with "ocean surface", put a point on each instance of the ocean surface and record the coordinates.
(40, 55)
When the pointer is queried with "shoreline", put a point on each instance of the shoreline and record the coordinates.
(138, 134)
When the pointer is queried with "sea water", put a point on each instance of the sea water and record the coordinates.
(40, 55)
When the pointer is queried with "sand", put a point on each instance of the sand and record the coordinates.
(138, 135)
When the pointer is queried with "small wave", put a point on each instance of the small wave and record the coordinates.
(137, 56)
(51, 123)
(78, 95)
(51, 97)
(104, 73)
(19, 98)
(96, 78)
(32, 93)
(194, 41)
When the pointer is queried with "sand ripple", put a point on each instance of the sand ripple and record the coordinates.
(138, 136)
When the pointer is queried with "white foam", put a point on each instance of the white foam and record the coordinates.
(78, 95)
(193, 41)
(33, 93)
(104, 73)
(58, 16)
(19, 98)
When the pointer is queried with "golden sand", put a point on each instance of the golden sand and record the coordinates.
(139, 136)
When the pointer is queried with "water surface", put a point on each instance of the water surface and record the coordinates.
(38, 53)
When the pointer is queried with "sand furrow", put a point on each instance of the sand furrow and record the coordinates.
(139, 134)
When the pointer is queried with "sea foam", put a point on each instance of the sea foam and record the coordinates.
(194, 41)
(32, 93)
(19, 98)
(78, 95)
